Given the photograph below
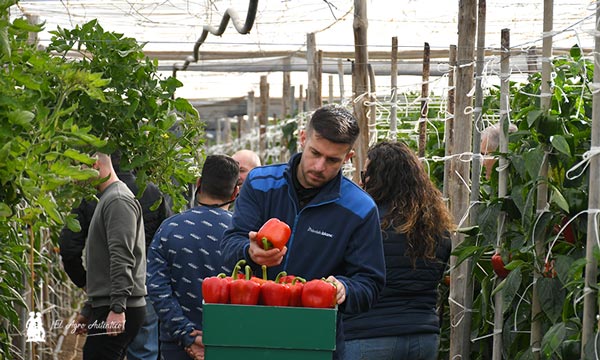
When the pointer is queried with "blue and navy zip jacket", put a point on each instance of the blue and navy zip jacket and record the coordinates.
(183, 252)
(337, 233)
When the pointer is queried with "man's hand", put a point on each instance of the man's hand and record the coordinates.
(196, 350)
(272, 257)
(115, 323)
(81, 324)
(341, 289)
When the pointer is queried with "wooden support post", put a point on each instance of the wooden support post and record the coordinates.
(460, 276)
(286, 110)
(301, 99)
(263, 117)
(502, 183)
(449, 125)
(330, 89)
(424, 101)
(394, 98)
(542, 186)
(360, 82)
(313, 82)
(250, 109)
(341, 79)
(591, 265)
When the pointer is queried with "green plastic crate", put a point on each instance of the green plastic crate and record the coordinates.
(268, 332)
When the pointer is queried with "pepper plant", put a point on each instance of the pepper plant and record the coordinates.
(563, 135)
(56, 111)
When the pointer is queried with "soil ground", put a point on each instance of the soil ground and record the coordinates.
(72, 347)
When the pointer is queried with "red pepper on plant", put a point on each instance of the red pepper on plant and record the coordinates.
(567, 229)
(275, 293)
(498, 266)
(549, 271)
(319, 293)
(244, 291)
(273, 233)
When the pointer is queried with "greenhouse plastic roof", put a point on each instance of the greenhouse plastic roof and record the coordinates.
(172, 27)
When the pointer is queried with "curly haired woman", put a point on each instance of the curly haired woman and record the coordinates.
(416, 227)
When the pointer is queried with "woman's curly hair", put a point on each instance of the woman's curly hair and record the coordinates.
(396, 178)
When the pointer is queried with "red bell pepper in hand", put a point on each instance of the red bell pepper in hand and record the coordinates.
(498, 266)
(296, 287)
(215, 289)
(244, 291)
(275, 293)
(319, 293)
(274, 233)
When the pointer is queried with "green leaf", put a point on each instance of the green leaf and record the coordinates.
(25, 25)
(558, 199)
(575, 52)
(509, 287)
(532, 116)
(469, 230)
(74, 172)
(514, 264)
(21, 117)
(533, 161)
(5, 49)
(72, 223)
(5, 210)
(552, 339)
(464, 253)
(80, 157)
(560, 143)
(552, 296)
(50, 208)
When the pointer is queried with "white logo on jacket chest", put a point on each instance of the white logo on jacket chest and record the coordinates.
(319, 232)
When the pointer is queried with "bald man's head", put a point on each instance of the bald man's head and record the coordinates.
(248, 160)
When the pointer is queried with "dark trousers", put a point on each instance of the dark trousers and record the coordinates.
(100, 346)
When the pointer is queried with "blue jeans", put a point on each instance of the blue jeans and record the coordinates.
(413, 347)
(145, 344)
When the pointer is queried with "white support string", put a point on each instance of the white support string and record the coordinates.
(586, 158)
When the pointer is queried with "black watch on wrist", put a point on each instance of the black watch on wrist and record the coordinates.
(118, 309)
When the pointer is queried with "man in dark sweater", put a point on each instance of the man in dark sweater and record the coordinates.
(116, 262)
(145, 345)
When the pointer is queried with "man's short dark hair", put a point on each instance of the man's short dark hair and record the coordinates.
(220, 174)
(335, 124)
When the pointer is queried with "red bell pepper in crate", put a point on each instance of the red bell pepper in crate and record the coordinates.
(319, 293)
(244, 291)
(275, 293)
(215, 289)
(296, 287)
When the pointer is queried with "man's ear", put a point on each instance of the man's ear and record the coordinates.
(198, 182)
(349, 155)
(236, 192)
(302, 139)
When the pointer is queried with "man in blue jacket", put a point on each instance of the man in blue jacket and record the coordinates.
(335, 224)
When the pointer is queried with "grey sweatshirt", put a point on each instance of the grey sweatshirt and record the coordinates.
(116, 251)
